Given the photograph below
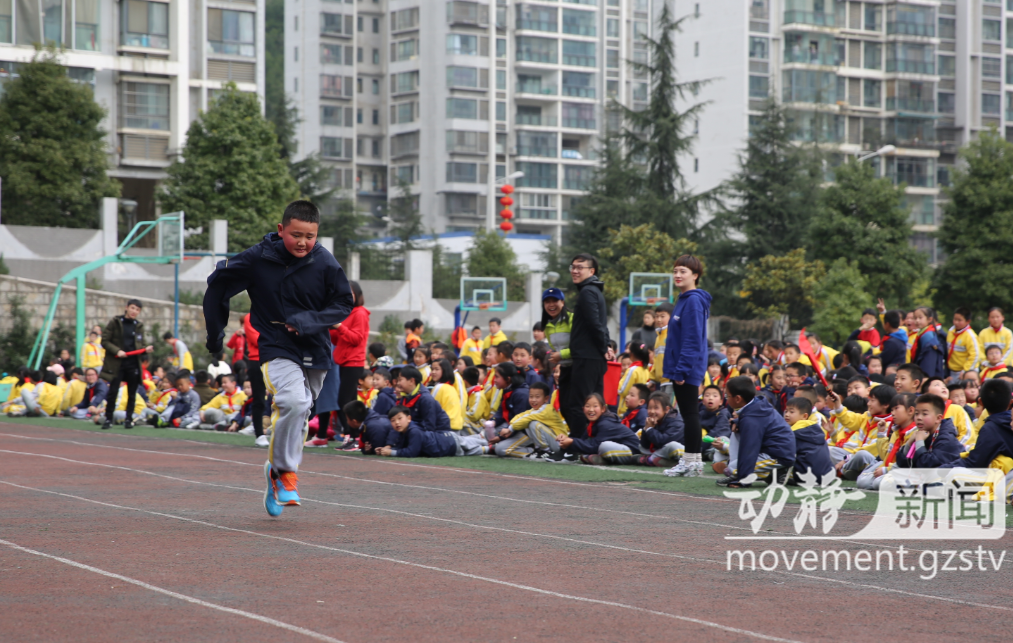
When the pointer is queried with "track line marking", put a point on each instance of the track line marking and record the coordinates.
(526, 533)
(183, 597)
(495, 581)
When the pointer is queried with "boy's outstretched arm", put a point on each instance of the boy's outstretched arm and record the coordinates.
(336, 310)
(231, 277)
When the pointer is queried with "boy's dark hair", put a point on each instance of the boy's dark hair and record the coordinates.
(924, 388)
(790, 345)
(856, 404)
(509, 372)
(377, 349)
(883, 394)
(408, 324)
(892, 318)
(938, 403)
(907, 400)
(776, 344)
(712, 386)
(182, 374)
(398, 410)
(202, 377)
(807, 392)
(799, 368)
(995, 395)
(382, 372)
(439, 345)
(415, 324)
(478, 328)
(496, 320)
(1006, 375)
(541, 386)
(470, 376)
(524, 346)
(741, 386)
(873, 357)
(870, 311)
(913, 370)
(995, 346)
(135, 302)
(841, 388)
(228, 376)
(506, 349)
(845, 374)
(411, 373)
(589, 258)
(537, 326)
(364, 373)
(662, 398)
(801, 404)
(666, 307)
(821, 390)
(858, 378)
(218, 380)
(300, 210)
(958, 386)
(695, 265)
(76, 370)
(167, 335)
(49, 377)
(643, 391)
(963, 312)
(355, 410)
(837, 360)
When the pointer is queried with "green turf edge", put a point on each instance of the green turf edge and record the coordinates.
(626, 476)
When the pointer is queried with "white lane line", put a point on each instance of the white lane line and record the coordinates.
(183, 597)
(526, 533)
(495, 581)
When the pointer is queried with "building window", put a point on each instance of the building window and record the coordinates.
(579, 23)
(335, 148)
(231, 32)
(358, 116)
(404, 19)
(376, 117)
(330, 86)
(759, 86)
(759, 48)
(948, 28)
(358, 23)
(295, 54)
(539, 50)
(696, 49)
(696, 165)
(578, 115)
(403, 50)
(468, 13)
(578, 84)
(376, 86)
(612, 28)
(376, 56)
(580, 54)
(462, 142)
(146, 24)
(330, 54)
(462, 44)
(501, 111)
(612, 58)
(947, 103)
(501, 51)
(332, 24)
(145, 106)
(991, 30)
(404, 82)
(873, 93)
(873, 55)
(537, 175)
(991, 67)
(462, 108)
(469, 77)
(537, 18)
(576, 177)
(462, 172)
(501, 76)
(991, 103)
(536, 144)
(376, 25)
(330, 115)
(947, 66)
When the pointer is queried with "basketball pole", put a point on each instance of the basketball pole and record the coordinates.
(175, 300)
(623, 303)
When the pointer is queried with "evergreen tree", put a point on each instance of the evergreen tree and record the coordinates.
(230, 170)
(491, 256)
(53, 154)
(638, 249)
(977, 230)
(784, 285)
(861, 217)
(446, 274)
(341, 219)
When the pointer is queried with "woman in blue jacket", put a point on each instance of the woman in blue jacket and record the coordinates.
(686, 357)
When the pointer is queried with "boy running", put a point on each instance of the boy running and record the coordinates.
(298, 292)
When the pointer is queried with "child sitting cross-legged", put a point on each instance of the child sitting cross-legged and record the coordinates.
(934, 443)
(373, 428)
(532, 430)
(607, 440)
(856, 445)
(891, 435)
(716, 420)
(663, 436)
(994, 446)
(636, 407)
(513, 401)
(811, 454)
(761, 442)
(385, 398)
(219, 412)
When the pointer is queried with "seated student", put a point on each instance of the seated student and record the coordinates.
(715, 419)
(374, 352)
(373, 428)
(638, 373)
(859, 385)
(972, 389)
(867, 331)
(761, 440)
(243, 422)
(926, 351)
(958, 396)
(385, 398)
(437, 350)
(159, 400)
(661, 440)
(716, 374)
(636, 407)
(543, 423)
(625, 361)
(476, 409)
(41, 400)
(856, 447)
(934, 443)
(425, 411)
(874, 365)
(73, 390)
(538, 334)
(962, 353)
(463, 363)
(748, 369)
(94, 395)
(792, 353)
(894, 343)
(993, 363)
(421, 359)
(203, 388)
(25, 379)
(543, 367)
(796, 374)
(514, 390)
(223, 407)
(996, 334)
(961, 421)
(472, 347)
(514, 440)
(812, 456)
(521, 358)
(445, 393)
(608, 441)
(909, 378)
(774, 392)
(184, 411)
(409, 440)
(365, 392)
(995, 438)
(891, 435)
(773, 353)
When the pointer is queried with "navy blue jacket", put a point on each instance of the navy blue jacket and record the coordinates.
(415, 442)
(636, 418)
(719, 424)
(95, 394)
(894, 348)
(686, 346)
(940, 449)
(311, 294)
(994, 439)
(670, 429)
(375, 430)
(385, 400)
(777, 399)
(931, 357)
(426, 411)
(517, 404)
(606, 429)
(763, 430)
(811, 451)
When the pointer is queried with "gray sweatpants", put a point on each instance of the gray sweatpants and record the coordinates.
(294, 388)
(542, 437)
(469, 444)
(855, 465)
(612, 453)
(214, 416)
(517, 445)
(867, 478)
(30, 399)
(670, 454)
(764, 463)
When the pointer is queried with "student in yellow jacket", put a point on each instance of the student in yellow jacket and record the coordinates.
(445, 393)
(962, 353)
(41, 399)
(496, 336)
(73, 391)
(997, 335)
(662, 315)
(536, 428)
(92, 353)
(472, 347)
(637, 373)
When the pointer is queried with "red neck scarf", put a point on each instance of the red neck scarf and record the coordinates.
(953, 346)
(365, 400)
(918, 336)
(590, 428)
(901, 434)
(503, 406)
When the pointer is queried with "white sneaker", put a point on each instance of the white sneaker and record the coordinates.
(263, 441)
(678, 470)
(694, 470)
(247, 431)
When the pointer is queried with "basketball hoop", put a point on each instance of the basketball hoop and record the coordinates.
(485, 305)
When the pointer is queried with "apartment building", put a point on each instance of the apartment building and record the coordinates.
(153, 64)
(452, 97)
(924, 76)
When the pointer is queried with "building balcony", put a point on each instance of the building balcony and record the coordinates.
(538, 25)
(912, 179)
(536, 88)
(816, 18)
(536, 150)
(911, 105)
(811, 58)
(911, 67)
(579, 123)
(537, 121)
(578, 92)
(910, 29)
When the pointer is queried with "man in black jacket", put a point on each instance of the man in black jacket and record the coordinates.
(589, 338)
(124, 334)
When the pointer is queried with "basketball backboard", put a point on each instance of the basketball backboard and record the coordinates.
(170, 236)
(650, 288)
(483, 293)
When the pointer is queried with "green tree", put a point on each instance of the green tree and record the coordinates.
(53, 155)
(446, 273)
(784, 285)
(638, 249)
(230, 170)
(16, 343)
(977, 230)
(840, 296)
(863, 218)
(491, 256)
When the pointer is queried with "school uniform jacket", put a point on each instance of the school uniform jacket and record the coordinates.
(763, 430)
(962, 353)
(635, 418)
(1003, 338)
(446, 395)
(226, 403)
(384, 401)
(415, 442)
(637, 373)
(607, 428)
(717, 424)
(375, 431)
(994, 439)
(658, 368)
(928, 354)
(515, 401)
(686, 342)
(670, 429)
(860, 430)
(894, 348)
(425, 410)
(941, 448)
(811, 452)
(547, 414)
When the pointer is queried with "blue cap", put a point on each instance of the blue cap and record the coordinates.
(553, 293)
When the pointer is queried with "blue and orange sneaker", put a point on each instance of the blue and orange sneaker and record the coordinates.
(270, 496)
(286, 489)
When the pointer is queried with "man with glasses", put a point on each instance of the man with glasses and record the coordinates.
(589, 349)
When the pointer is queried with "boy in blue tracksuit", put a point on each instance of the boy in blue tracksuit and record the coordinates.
(605, 440)
(661, 440)
(716, 419)
(374, 429)
(811, 452)
(894, 345)
(297, 293)
(410, 441)
(426, 412)
(515, 389)
(386, 398)
(636, 407)
(935, 442)
(761, 442)
(995, 437)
